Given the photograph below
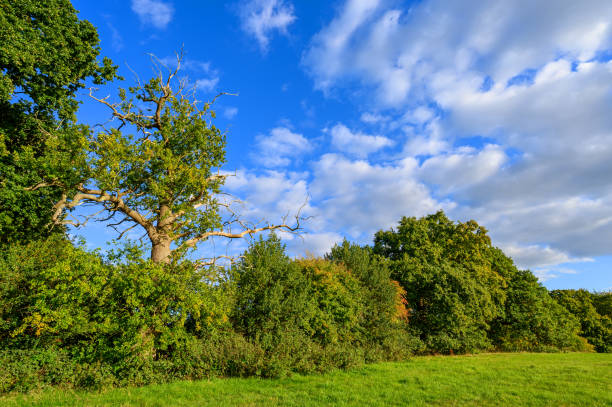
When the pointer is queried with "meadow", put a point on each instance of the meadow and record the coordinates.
(500, 379)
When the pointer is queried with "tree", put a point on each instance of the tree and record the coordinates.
(451, 289)
(532, 320)
(602, 301)
(46, 56)
(596, 328)
(158, 168)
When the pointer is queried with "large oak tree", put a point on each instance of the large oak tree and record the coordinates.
(156, 166)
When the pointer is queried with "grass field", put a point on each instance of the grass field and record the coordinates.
(521, 379)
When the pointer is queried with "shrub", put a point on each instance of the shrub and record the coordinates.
(597, 329)
(384, 323)
(34, 369)
(602, 301)
(125, 316)
(315, 314)
(52, 294)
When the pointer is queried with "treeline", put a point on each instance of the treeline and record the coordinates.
(75, 318)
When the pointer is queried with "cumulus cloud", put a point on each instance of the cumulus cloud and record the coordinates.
(260, 18)
(357, 143)
(278, 148)
(505, 108)
(207, 76)
(401, 50)
(316, 244)
(361, 198)
(341, 197)
(539, 257)
(372, 118)
(154, 12)
(462, 168)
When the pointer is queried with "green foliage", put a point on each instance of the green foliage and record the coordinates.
(532, 321)
(76, 319)
(384, 320)
(34, 369)
(453, 293)
(135, 319)
(602, 301)
(313, 314)
(47, 54)
(272, 295)
(596, 328)
(297, 312)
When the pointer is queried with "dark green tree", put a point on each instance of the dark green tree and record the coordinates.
(452, 290)
(602, 301)
(47, 55)
(532, 320)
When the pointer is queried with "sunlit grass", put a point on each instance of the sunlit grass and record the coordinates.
(521, 379)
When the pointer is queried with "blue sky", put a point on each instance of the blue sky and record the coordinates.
(370, 110)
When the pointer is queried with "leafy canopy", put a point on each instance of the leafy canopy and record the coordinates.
(156, 166)
(451, 289)
(47, 55)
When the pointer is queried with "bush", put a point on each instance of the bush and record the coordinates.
(602, 301)
(52, 294)
(131, 318)
(34, 369)
(386, 334)
(316, 314)
(596, 328)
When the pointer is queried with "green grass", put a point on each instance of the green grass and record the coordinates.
(520, 379)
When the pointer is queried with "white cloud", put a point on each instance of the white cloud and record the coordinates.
(117, 39)
(545, 274)
(261, 18)
(463, 167)
(327, 58)
(505, 104)
(399, 50)
(341, 197)
(316, 244)
(279, 147)
(360, 198)
(357, 143)
(539, 257)
(154, 12)
(373, 118)
(188, 64)
(271, 196)
(207, 84)
(208, 76)
(230, 112)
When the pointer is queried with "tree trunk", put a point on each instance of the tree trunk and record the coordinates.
(160, 251)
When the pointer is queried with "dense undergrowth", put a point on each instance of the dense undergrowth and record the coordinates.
(77, 319)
